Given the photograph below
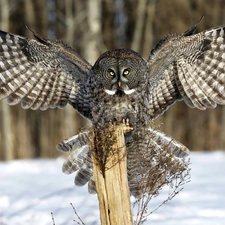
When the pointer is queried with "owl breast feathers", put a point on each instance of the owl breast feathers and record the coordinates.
(121, 85)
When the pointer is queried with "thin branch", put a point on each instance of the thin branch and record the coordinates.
(53, 220)
(75, 212)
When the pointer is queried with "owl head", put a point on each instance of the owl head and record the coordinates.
(119, 71)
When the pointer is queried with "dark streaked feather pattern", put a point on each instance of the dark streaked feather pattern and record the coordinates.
(44, 74)
(140, 150)
(41, 74)
(191, 68)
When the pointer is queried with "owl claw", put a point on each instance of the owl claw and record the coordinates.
(127, 122)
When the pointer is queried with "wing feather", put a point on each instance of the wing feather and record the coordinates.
(42, 74)
(189, 68)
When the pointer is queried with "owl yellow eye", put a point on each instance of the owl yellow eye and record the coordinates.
(111, 72)
(125, 72)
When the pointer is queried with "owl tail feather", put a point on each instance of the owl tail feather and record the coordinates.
(139, 148)
(163, 139)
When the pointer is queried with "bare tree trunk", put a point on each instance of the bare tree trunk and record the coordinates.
(51, 19)
(73, 120)
(139, 26)
(30, 13)
(148, 32)
(69, 14)
(6, 118)
(94, 22)
(70, 34)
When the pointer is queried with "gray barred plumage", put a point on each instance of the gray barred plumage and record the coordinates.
(144, 149)
(41, 74)
(44, 74)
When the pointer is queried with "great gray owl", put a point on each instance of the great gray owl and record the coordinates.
(120, 85)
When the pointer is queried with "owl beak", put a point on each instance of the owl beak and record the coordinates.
(124, 88)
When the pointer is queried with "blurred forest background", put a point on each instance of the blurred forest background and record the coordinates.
(92, 27)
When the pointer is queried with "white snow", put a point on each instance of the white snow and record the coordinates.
(31, 189)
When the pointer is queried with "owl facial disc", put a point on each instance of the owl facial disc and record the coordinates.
(119, 84)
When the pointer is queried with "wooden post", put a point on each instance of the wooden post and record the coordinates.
(110, 174)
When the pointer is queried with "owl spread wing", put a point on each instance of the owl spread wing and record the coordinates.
(188, 67)
(41, 73)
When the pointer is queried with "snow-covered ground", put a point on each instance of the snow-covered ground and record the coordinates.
(31, 189)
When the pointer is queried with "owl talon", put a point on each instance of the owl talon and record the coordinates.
(127, 122)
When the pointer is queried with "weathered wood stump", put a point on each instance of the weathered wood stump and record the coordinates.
(110, 175)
